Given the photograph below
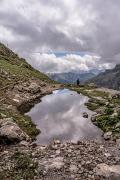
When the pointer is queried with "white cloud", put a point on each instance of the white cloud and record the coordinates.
(29, 26)
(49, 63)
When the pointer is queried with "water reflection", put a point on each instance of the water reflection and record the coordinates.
(59, 115)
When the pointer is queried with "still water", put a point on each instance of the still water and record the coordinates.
(60, 116)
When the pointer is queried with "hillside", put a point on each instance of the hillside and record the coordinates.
(18, 67)
(70, 77)
(109, 78)
(20, 86)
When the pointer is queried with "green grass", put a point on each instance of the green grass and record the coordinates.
(109, 111)
(92, 106)
(22, 71)
(91, 92)
(106, 121)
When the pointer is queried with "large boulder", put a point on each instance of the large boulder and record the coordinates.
(10, 131)
(108, 172)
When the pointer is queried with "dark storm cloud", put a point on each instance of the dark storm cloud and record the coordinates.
(77, 25)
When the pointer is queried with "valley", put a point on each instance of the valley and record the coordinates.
(22, 88)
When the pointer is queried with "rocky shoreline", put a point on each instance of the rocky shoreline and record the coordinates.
(19, 100)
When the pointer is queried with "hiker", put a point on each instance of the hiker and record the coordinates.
(78, 82)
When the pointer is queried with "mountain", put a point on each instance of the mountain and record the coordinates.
(110, 78)
(71, 77)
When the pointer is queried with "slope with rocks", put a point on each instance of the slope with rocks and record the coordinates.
(20, 87)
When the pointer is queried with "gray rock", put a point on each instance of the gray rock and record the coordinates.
(24, 143)
(107, 135)
(118, 142)
(110, 172)
(73, 168)
(117, 125)
(93, 117)
(85, 115)
(10, 131)
(34, 88)
(3, 115)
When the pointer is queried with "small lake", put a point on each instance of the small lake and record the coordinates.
(60, 116)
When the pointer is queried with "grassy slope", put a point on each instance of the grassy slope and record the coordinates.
(18, 70)
(14, 65)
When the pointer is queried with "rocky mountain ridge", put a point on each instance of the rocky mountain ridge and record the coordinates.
(109, 78)
(71, 77)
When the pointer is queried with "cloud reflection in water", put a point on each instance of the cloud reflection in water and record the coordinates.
(60, 115)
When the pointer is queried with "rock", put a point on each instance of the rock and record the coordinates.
(33, 145)
(114, 114)
(34, 88)
(3, 115)
(117, 125)
(118, 142)
(52, 163)
(10, 132)
(116, 96)
(24, 143)
(110, 172)
(85, 115)
(73, 168)
(93, 117)
(100, 110)
(107, 135)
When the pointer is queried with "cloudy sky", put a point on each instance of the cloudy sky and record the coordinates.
(63, 35)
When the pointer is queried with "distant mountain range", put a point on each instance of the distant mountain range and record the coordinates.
(71, 77)
(109, 78)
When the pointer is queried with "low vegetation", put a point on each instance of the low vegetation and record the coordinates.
(21, 166)
(107, 107)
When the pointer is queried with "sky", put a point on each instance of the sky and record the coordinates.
(63, 35)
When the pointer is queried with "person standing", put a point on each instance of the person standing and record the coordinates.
(78, 82)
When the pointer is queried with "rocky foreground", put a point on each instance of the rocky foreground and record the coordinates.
(69, 161)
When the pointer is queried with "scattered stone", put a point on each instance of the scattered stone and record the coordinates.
(3, 115)
(117, 125)
(56, 163)
(110, 172)
(93, 117)
(85, 115)
(34, 88)
(118, 142)
(73, 168)
(24, 143)
(107, 135)
(86, 160)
